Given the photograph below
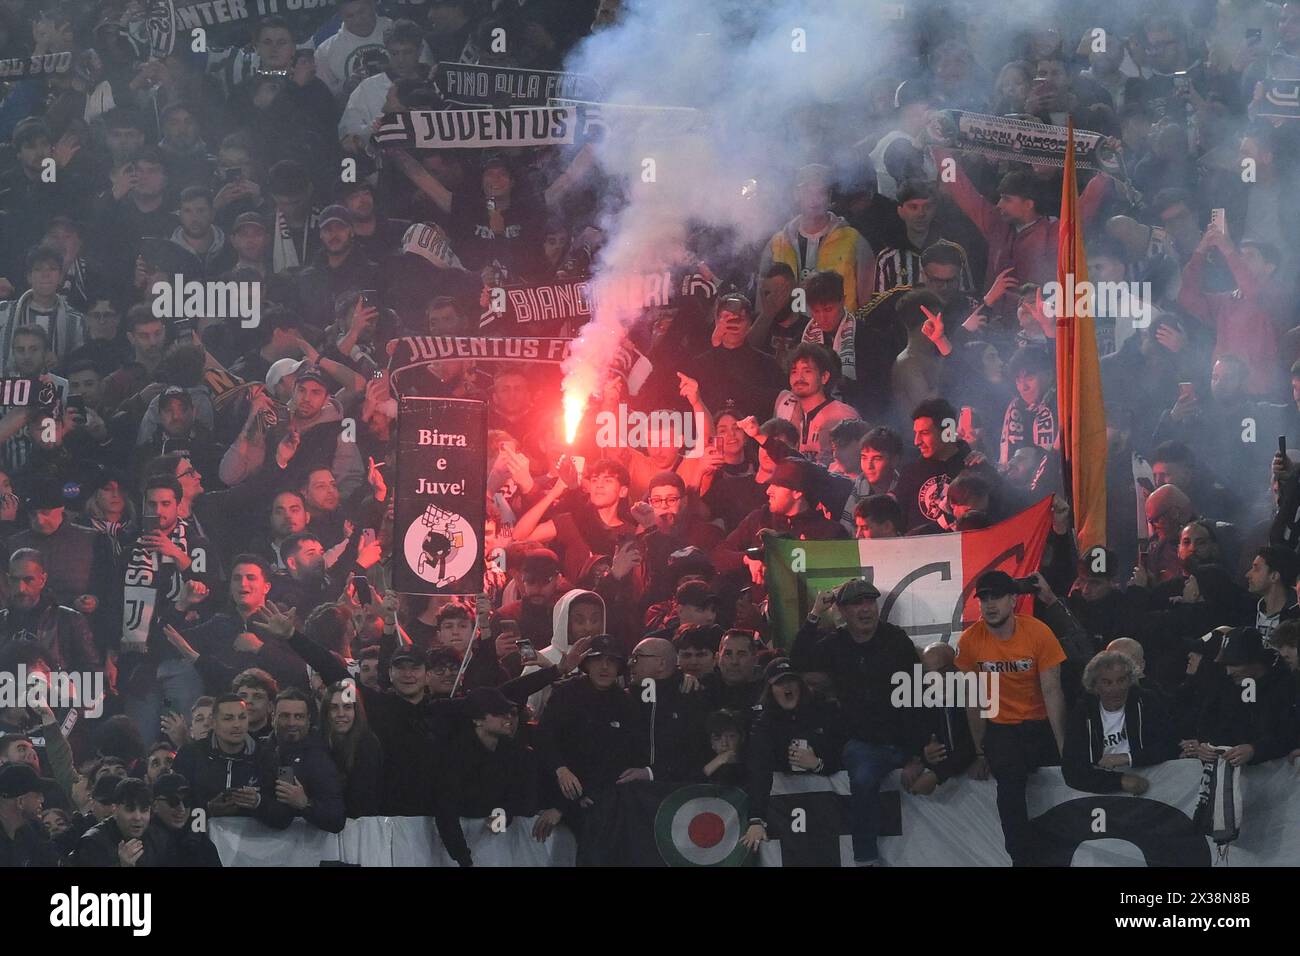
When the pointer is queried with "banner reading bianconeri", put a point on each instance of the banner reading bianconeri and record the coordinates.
(438, 517)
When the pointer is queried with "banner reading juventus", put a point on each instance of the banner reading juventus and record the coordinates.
(481, 129)
(441, 479)
(473, 84)
(414, 365)
(927, 582)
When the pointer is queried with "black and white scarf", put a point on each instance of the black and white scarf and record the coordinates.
(65, 326)
(1029, 424)
(284, 251)
(147, 573)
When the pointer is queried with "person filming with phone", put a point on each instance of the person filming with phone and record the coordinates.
(305, 777)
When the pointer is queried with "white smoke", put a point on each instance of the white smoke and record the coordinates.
(775, 86)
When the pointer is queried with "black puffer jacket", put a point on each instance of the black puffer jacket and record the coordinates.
(769, 745)
(211, 771)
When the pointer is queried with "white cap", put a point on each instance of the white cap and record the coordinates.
(280, 369)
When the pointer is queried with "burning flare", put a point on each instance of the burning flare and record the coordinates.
(574, 406)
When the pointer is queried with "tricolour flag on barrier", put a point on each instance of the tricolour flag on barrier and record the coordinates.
(665, 824)
(927, 582)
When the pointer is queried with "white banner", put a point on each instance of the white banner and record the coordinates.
(958, 825)
(385, 841)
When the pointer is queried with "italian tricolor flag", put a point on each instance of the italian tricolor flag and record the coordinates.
(926, 582)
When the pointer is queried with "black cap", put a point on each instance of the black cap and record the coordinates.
(779, 669)
(1244, 645)
(482, 701)
(310, 373)
(44, 494)
(793, 474)
(689, 560)
(408, 652)
(995, 584)
(19, 779)
(171, 785)
(176, 393)
(603, 646)
(696, 594)
(248, 219)
(855, 591)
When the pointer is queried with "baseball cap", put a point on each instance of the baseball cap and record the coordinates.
(175, 393)
(696, 594)
(280, 369)
(994, 584)
(1208, 644)
(482, 701)
(105, 788)
(1244, 645)
(855, 591)
(19, 779)
(689, 560)
(249, 219)
(45, 494)
(335, 213)
(779, 669)
(603, 646)
(409, 652)
(310, 373)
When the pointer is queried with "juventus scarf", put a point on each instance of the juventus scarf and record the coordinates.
(64, 326)
(147, 572)
(1029, 425)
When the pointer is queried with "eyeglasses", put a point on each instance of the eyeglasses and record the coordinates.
(666, 502)
(187, 473)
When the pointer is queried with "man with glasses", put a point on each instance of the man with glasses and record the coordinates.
(1025, 728)
(104, 345)
(675, 528)
(186, 845)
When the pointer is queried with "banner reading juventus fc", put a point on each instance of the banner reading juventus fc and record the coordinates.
(926, 582)
(441, 474)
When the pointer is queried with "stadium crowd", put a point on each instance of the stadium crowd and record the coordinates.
(201, 511)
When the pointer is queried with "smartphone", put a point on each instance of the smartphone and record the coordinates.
(77, 405)
(232, 175)
(362, 587)
(1182, 82)
(150, 524)
(286, 775)
(1219, 220)
(799, 743)
(1186, 391)
(719, 444)
(527, 655)
(370, 298)
(1281, 445)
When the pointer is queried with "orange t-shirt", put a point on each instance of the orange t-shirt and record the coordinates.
(1018, 661)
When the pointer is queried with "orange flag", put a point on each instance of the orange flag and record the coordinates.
(1081, 411)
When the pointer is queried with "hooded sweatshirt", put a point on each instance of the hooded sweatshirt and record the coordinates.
(322, 447)
(552, 655)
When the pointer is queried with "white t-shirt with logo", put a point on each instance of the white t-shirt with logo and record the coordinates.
(1114, 732)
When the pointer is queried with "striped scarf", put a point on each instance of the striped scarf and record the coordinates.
(1029, 425)
(65, 326)
(144, 578)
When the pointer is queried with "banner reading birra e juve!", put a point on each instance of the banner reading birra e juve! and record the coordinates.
(441, 476)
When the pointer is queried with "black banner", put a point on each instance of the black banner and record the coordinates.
(469, 84)
(547, 309)
(441, 480)
(170, 22)
(489, 128)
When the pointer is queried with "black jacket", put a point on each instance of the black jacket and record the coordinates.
(863, 675)
(210, 772)
(1266, 722)
(98, 847)
(184, 847)
(1151, 740)
(668, 730)
(314, 769)
(769, 744)
(475, 782)
(362, 784)
(589, 731)
(28, 847)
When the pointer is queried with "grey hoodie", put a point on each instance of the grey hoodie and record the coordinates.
(243, 458)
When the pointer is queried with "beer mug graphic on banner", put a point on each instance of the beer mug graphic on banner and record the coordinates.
(440, 546)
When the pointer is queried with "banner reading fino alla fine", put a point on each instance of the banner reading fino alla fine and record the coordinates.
(441, 477)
